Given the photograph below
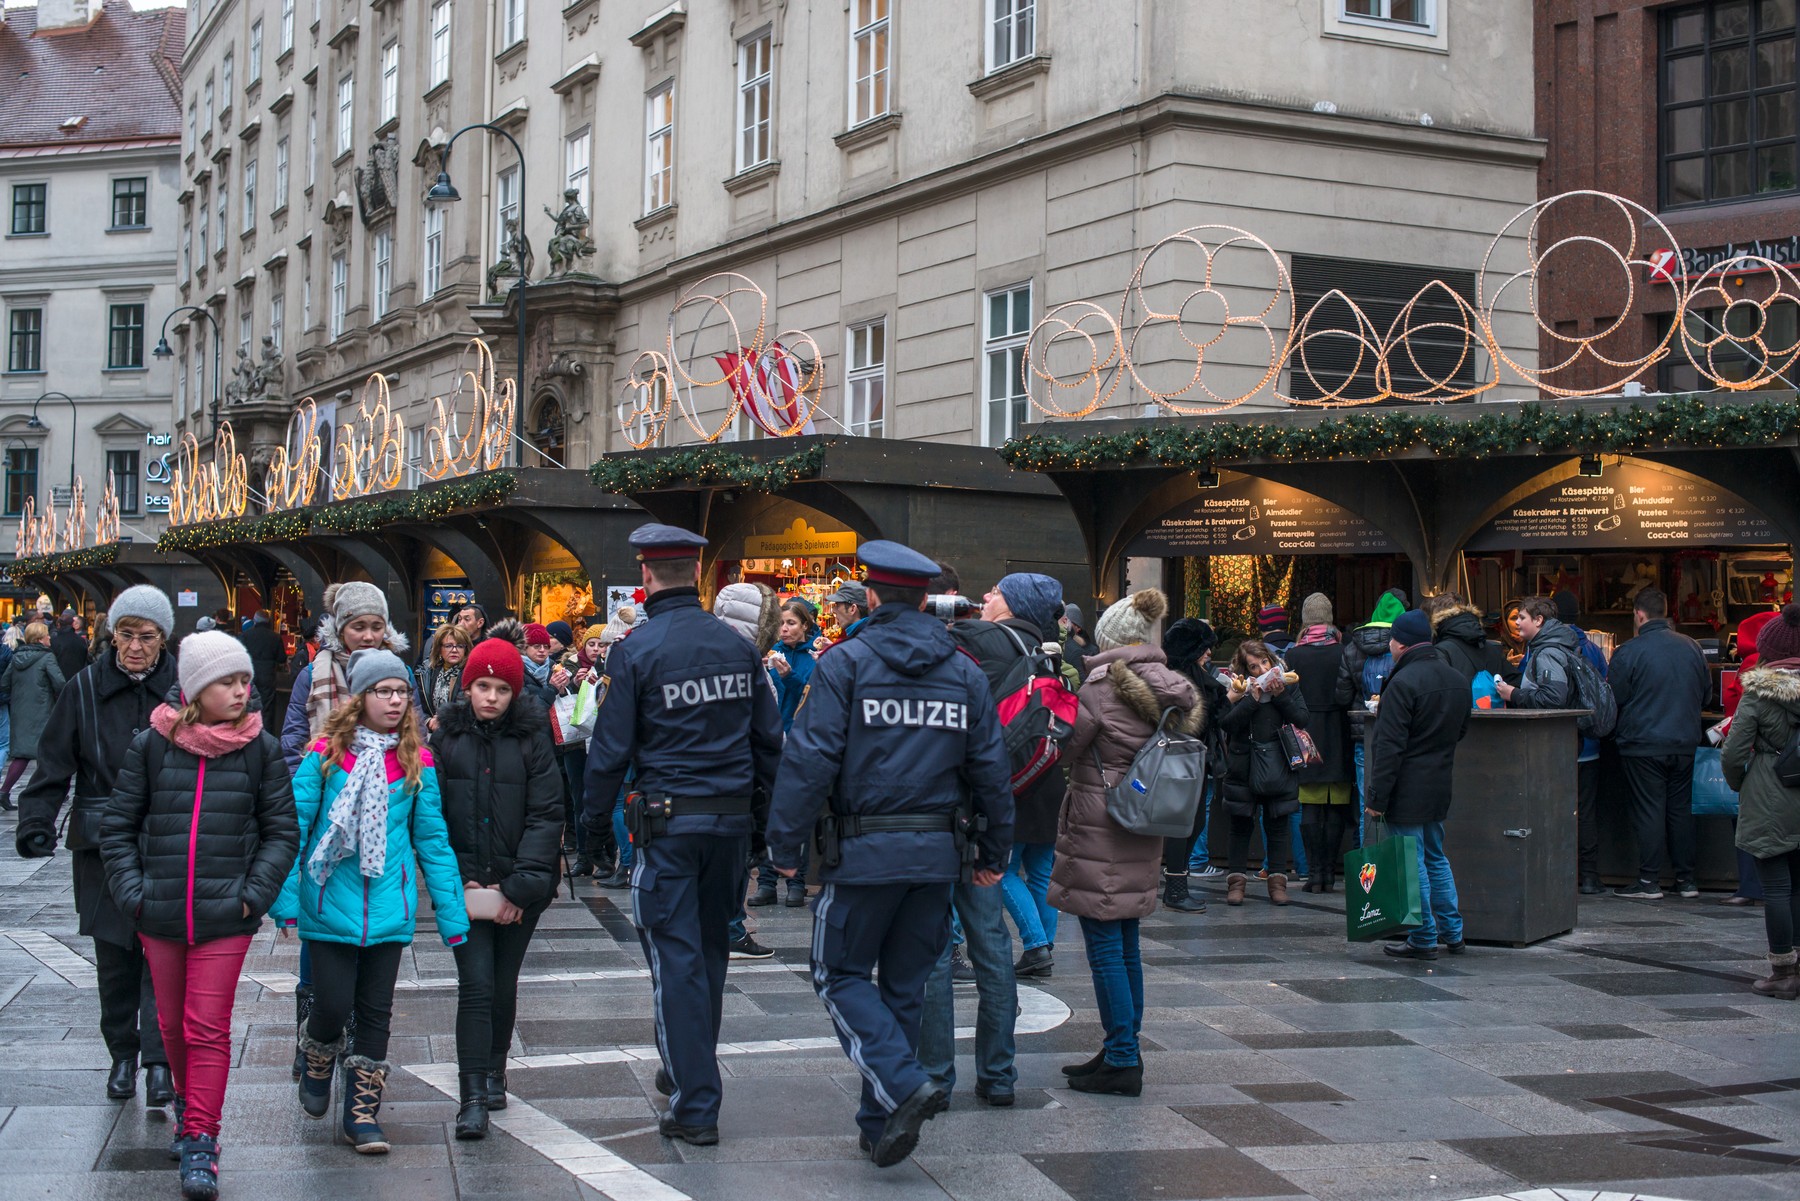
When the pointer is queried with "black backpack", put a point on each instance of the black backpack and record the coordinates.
(1595, 695)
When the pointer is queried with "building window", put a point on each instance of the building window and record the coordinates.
(440, 42)
(193, 138)
(205, 225)
(1012, 31)
(506, 204)
(224, 207)
(227, 78)
(865, 379)
(246, 330)
(199, 379)
(1394, 12)
(131, 203)
(281, 174)
(181, 383)
(1728, 100)
(287, 26)
(659, 148)
(206, 106)
(249, 194)
(1006, 326)
(253, 68)
(25, 340)
(755, 88)
(868, 60)
(1732, 334)
(21, 478)
(384, 271)
(346, 99)
(1343, 366)
(512, 22)
(277, 316)
(434, 249)
(306, 294)
(390, 82)
(578, 153)
(125, 336)
(312, 141)
(340, 295)
(29, 203)
(122, 466)
(187, 249)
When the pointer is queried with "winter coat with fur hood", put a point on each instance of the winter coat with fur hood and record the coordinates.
(503, 797)
(1768, 811)
(1458, 634)
(297, 730)
(1102, 871)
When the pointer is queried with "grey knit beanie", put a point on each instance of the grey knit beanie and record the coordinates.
(370, 667)
(146, 603)
(1316, 611)
(209, 656)
(356, 598)
(1132, 620)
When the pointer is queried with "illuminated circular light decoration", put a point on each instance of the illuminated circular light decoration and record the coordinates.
(293, 476)
(1771, 362)
(450, 450)
(1442, 383)
(106, 517)
(370, 452)
(203, 492)
(1069, 325)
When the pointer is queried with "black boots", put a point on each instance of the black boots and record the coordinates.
(315, 1080)
(1312, 837)
(472, 1118)
(1117, 1082)
(303, 1002)
(496, 1088)
(159, 1085)
(121, 1082)
(1036, 964)
(1086, 1069)
(200, 1168)
(764, 895)
(901, 1134)
(796, 895)
(1177, 897)
(364, 1080)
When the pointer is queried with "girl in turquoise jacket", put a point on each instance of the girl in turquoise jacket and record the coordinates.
(371, 825)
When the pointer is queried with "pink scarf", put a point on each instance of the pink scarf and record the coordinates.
(208, 742)
(1318, 636)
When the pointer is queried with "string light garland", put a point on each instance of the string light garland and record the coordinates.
(1693, 420)
(706, 466)
(236, 531)
(352, 517)
(71, 560)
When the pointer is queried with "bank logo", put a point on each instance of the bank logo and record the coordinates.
(1366, 877)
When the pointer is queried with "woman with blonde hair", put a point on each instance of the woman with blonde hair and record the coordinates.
(442, 684)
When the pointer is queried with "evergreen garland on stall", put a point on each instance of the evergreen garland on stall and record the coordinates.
(705, 466)
(346, 517)
(1693, 421)
(68, 560)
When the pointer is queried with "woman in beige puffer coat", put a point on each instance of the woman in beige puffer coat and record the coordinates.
(1105, 876)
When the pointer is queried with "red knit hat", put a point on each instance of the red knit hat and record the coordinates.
(497, 658)
(537, 635)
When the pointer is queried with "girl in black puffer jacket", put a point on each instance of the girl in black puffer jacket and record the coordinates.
(197, 841)
(503, 801)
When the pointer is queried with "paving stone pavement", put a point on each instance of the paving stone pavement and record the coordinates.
(1627, 1059)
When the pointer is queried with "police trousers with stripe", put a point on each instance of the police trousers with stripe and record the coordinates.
(900, 931)
(685, 888)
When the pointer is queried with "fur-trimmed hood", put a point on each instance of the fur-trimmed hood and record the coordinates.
(525, 714)
(1443, 615)
(1148, 703)
(1781, 685)
(328, 638)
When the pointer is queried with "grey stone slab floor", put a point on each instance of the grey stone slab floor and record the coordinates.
(1626, 1059)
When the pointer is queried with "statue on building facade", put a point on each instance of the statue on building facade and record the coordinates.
(270, 375)
(512, 247)
(242, 385)
(570, 242)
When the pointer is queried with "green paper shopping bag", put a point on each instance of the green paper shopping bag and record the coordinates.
(1381, 887)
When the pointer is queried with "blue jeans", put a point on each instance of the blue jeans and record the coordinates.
(1112, 951)
(1357, 800)
(989, 947)
(5, 731)
(1197, 858)
(1025, 895)
(1438, 886)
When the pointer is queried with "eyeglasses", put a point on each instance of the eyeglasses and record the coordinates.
(390, 694)
(121, 638)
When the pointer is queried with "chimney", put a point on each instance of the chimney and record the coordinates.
(56, 15)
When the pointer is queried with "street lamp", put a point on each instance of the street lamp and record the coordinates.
(444, 192)
(33, 423)
(163, 351)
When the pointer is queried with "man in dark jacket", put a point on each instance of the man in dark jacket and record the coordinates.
(96, 716)
(899, 732)
(267, 652)
(1661, 683)
(1457, 632)
(69, 647)
(1423, 714)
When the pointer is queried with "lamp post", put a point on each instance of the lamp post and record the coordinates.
(444, 192)
(74, 418)
(163, 351)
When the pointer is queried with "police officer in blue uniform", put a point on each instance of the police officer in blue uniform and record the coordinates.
(684, 700)
(897, 737)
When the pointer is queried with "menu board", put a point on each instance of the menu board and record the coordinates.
(1248, 516)
(1631, 505)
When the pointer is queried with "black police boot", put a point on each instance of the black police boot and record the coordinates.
(665, 1083)
(697, 1136)
(121, 1082)
(764, 895)
(583, 865)
(796, 895)
(472, 1118)
(619, 879)
(901, 1134)
(303, 1003)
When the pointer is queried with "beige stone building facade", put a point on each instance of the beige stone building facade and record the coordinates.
(913, 182)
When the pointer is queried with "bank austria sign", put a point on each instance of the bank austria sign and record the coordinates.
(1669, 266)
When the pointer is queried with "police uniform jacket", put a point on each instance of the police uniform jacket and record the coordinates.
(685, 699)
(897, 722)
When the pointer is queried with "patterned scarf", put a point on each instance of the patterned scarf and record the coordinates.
(357, 823)
(329, 687)
(1325, 635)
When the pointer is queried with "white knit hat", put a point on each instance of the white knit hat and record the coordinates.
(1132, 620)
(353, 599)
(207, 657)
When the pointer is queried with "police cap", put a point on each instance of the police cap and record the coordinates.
(896, 565)
(656, 541)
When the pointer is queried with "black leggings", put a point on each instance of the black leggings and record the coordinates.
(346, 977)
(487, 989)
(1781, 903)
(1277, 836)
(1322, 828)
(1177, 851)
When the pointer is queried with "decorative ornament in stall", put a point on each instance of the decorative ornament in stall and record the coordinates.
(204, 492)
(370, 454)
(452, 451)
(106, 517)
(74, 529)
(293, 476)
